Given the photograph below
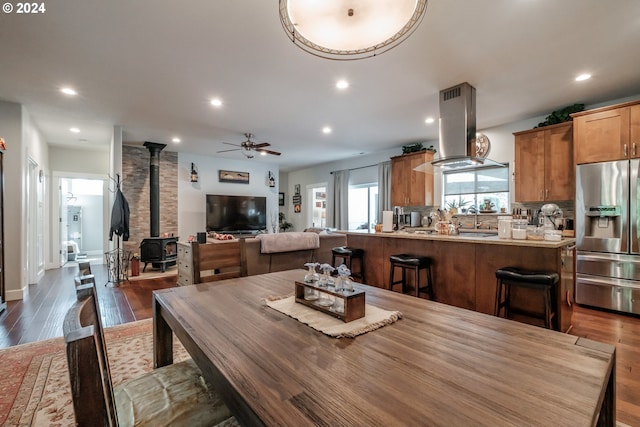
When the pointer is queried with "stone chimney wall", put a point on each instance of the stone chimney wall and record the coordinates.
(135, 186)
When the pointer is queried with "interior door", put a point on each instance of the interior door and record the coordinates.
(62, 222)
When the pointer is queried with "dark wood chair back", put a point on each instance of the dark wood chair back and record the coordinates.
(91, 387)
(84, 268)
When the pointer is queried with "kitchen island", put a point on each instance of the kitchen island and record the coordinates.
(464, 266)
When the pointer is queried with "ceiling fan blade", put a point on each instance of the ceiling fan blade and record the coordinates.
(228, 143)
(232, 149)
(262, 150)
(261, 145)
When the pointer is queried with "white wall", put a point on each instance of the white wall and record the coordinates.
(79, 161)
(192, 196)
(24, 141)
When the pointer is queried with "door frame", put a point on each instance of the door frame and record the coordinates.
(56, 211)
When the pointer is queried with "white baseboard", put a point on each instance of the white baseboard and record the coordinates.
(17, 295)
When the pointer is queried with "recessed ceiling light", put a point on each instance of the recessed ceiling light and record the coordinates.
(176, 140)
(74, 130)
(342, 84)
(68, 91)
(326, 129)
(216, 102)
(583, 77)
(429, 120)
(263, 153)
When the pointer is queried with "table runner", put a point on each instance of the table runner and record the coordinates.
(374, 318)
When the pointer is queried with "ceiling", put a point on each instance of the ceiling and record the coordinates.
(152, 67)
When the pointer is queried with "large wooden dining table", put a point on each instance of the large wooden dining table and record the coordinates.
(438, 365)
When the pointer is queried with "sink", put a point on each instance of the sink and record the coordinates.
(476, 234)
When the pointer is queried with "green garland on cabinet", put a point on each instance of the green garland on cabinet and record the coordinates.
(560, 116)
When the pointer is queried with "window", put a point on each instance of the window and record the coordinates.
(363, 207)
(472, 188)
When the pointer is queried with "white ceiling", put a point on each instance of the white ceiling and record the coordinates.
(152, 66)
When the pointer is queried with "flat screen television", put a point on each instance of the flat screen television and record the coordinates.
(236, 214)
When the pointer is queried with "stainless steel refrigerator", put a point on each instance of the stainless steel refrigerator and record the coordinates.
(607, 226)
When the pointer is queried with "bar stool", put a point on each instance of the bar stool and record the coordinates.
(415, 263)
(541, 281)
(347, 255)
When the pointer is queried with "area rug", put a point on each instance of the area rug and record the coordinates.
(34, 380)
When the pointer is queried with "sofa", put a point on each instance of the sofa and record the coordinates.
(255, 260)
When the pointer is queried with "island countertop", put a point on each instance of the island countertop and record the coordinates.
(471, 237)
(463, 266)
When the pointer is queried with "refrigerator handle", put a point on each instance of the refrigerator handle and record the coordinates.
(634, 204)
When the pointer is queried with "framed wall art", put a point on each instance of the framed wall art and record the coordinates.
(280, 199)
(233, 177)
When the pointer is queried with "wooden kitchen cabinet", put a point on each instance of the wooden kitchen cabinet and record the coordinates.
(607, 134)
(411, 187)
(544, 169)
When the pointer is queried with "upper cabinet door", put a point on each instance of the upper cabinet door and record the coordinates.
(602, 136)
(558, 163)
(529, 166)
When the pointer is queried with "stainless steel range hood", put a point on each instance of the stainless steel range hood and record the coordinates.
(458, 129)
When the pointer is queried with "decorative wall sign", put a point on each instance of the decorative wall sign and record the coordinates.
(296, 189)
(297, 203)
(234, 177)
(280, 199)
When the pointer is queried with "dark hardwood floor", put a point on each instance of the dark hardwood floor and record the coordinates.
(40, 317)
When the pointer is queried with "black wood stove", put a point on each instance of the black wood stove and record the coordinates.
(160, 252)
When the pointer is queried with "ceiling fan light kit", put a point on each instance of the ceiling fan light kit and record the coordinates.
(248, 147)
(335, 29)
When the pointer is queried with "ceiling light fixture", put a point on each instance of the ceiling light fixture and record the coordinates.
(176, 140)
(342, 84)
(326, 129)
(74, 130)
(331, 30)
(583, 77)
(216, 102)
(68, 91)
(429, 120)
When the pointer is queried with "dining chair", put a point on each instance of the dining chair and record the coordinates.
(174, 395)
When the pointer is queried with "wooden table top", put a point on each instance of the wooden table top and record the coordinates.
(438, 365)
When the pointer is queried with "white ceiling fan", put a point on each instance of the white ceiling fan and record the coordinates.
(249, 147)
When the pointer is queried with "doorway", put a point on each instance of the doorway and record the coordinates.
(82, 220)
(317, 199)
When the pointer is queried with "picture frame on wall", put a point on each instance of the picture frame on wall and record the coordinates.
(280, 199)
(233, 177)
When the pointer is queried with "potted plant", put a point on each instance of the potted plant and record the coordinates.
(455, 204)
(283, 225)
